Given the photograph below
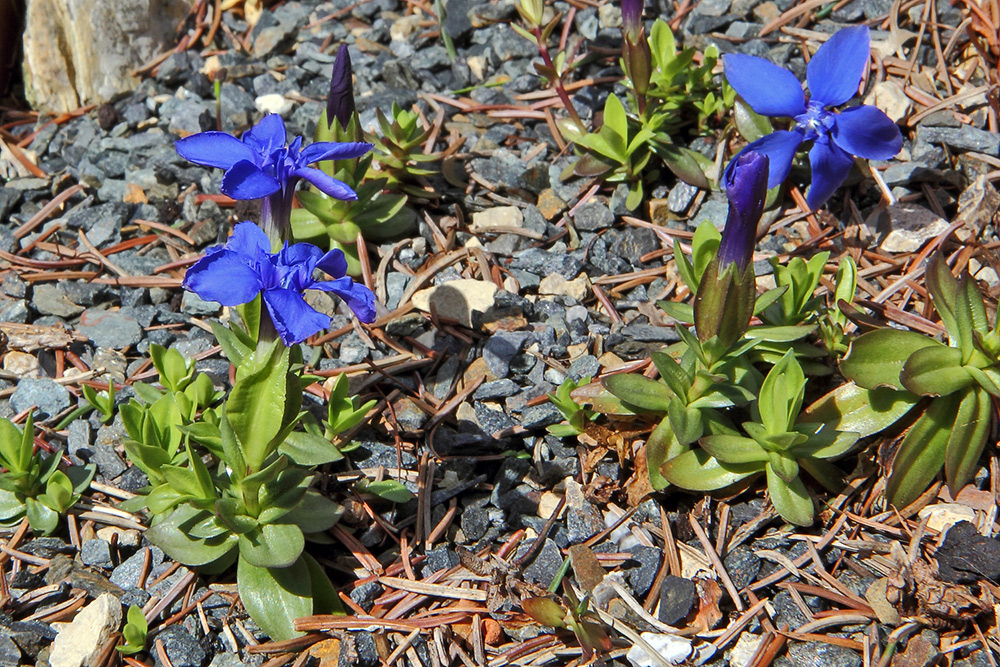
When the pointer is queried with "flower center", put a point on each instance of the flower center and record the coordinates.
(816, 122)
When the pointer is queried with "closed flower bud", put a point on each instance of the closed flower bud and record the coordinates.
(725, 300)
(632, 20)
(340, 101)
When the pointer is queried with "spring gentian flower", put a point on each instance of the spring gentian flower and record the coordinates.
(833, 75)
(261, 166)
(746, 188)
(245, 267)
(724, 302)
(340, 101)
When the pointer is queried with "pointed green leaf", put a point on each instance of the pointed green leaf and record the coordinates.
(935, 371)
(922, 452)
(968, 438)
(275, 597)
(790, 499)
(876, 358)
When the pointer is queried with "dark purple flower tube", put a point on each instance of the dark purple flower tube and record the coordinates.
(340, 101)
(746, 187)
(632, 19)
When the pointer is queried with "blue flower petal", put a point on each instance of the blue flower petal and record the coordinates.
(266, 136)
(779, 147)
(770, 90)
(249, 241)
(333, 263)
(223, 276)
(328, 184)
(213, 149)
(293, 318)
(245, 180)
(867, 132)
(359, 298)
(835, 72)
(331, 150)
(296, 264)
(830, 166)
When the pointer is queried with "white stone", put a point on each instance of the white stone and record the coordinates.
(743, 651)
(80, 641)
(943, 516)
(671, 648)
(274, 103)
(554, 284)
(79, 52)
(457, 299)
(890, 98)
(497, 217)
(906, 227)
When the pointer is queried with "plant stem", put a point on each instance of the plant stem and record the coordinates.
(543, 50)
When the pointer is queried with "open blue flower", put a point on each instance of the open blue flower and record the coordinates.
(262, 166)
(833, 75)
(245, 267)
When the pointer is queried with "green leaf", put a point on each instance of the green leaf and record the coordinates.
(682, 312)
(686, 422)
(752, 125)
(273, 545)
(696, 470)
(945, 293)
(546, 611)
(734, 449)
(876, 358)
(43, 519)
(660, 448)
(780, 334)
(987, 378)
(858, 410)
(790, 499)
(781, 395)
(172, 536)
(935, 371)
(309, 449)
(968, 438)
(59, 490)
(10, 506)
(672, 373)
(314, 513)
(824, 442)
(275, 597)
(81, 476)
(639, 391)
(389, 489)
(683, 163)
(256, 407)
(922, 452)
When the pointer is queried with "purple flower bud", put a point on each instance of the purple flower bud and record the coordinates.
(632, 19)
(340, 101)
(746, 187)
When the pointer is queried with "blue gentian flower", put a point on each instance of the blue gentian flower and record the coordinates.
(746, 187)
(833, 75)
(245, 267)
(261, 166)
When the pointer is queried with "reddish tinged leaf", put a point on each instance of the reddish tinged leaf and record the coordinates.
(545, 611)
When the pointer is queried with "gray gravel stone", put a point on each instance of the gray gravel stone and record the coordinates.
(677, 597)
(501, 348)
(543, 569)
(49, 397)
(96, 553)
(181, 648)
(593, 216)
(127, 573)
(51, 299)
(963, 138)
(109, 328)
(818, 654)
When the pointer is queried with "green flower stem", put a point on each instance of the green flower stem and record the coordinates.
(543, 50)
